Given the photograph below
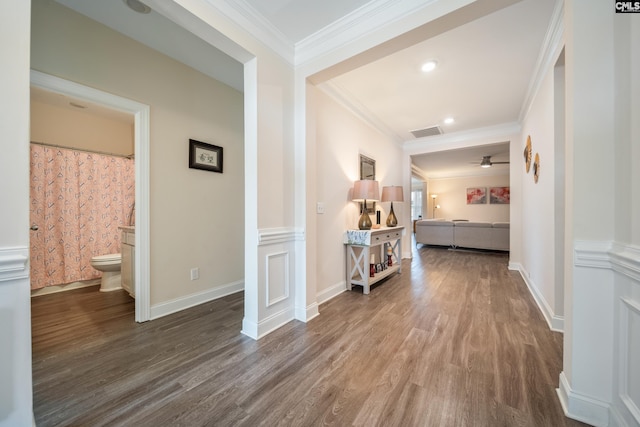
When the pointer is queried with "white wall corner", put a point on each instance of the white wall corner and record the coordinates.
(556, 323)
(594, 254)
(305, 314)
(249, 328)
(515, 266)
(582, 408)
(268, 325)
(14, 263)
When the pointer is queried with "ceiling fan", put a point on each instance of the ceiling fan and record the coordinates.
(487, 163)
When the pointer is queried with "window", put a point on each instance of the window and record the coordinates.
(416, 204)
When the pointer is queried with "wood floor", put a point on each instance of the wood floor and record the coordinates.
(455, 340)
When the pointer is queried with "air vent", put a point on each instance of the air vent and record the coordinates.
(430, 131)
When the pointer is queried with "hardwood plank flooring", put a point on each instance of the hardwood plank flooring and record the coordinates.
(455, 340)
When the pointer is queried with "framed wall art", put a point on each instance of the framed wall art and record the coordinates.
(499, 195)
(368, 171)
(205, 156)
(476, 195)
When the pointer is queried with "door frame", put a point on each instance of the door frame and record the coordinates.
(141, 113)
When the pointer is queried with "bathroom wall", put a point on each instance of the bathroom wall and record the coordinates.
(55, 122)
(80, 129)
(197, 217)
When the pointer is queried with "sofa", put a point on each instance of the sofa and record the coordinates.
(463, 234)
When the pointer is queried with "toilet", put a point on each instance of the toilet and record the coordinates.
(110, 266)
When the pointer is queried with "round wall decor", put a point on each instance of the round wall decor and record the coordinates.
(527, 154)
(536, 168)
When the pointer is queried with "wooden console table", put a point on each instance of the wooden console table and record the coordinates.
(361, 244)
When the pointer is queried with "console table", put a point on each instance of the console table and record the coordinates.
(360, 245)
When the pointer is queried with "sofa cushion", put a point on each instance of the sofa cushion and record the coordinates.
(473, 235)
(434, 232)
(473, 224)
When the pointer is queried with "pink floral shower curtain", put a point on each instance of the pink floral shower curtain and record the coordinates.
(78, 201)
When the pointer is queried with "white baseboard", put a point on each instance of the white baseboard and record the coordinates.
(264, 327)
(331, 292)
(304, 314)
(182, 303)
(556, 323)
(582, 408)
(63, 288)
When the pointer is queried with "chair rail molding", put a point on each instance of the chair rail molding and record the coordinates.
(14, 263)
(620, 257)
(269, 236)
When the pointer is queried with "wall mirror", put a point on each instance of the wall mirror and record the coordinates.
(368, 171)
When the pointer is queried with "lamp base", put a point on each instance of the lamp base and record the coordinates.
(392, 221)
(364, 223)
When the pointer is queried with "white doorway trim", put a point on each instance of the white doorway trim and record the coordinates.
(141, 114)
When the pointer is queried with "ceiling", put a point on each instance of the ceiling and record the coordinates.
(485, 67)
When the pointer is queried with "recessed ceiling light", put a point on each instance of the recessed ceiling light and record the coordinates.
(448, 120)
(137, 6)
(429, 66)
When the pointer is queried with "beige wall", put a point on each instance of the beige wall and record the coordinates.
(341, 138)
(452, 198)
(52, 124)
(196, 216)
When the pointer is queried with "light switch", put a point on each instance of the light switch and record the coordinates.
(320, 208)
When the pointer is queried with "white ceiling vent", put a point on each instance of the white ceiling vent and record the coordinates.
(430, 131)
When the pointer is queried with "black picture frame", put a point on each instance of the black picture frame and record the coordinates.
(205, 156)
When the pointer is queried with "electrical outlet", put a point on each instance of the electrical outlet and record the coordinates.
(195, 273)
(320, 208)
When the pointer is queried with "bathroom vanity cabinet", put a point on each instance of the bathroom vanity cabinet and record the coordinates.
(128, 247)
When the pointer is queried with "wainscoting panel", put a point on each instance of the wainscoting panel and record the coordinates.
(276, 279)
(623, 261)
(277, 275)
(630, 356)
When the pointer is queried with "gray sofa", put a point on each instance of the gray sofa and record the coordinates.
(463, 234)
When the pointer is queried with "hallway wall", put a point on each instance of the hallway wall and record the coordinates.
(196, 215)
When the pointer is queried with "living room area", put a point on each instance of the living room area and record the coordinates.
(459, 201)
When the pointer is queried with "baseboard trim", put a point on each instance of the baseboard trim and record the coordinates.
(331, 292)
(556, 323)
(305, 314)
(64, 288)
(582, 408)
(258, 330)
(179, 304)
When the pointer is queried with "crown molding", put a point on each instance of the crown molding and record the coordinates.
(553, 41)
(243, 14)
(355, 25)
(344, 98)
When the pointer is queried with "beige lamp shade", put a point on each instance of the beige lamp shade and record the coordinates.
(365, 189)
(392, 194)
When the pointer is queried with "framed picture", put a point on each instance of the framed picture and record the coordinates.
(368, 171)
(499, 195)
(476, 195)
(205, 156)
